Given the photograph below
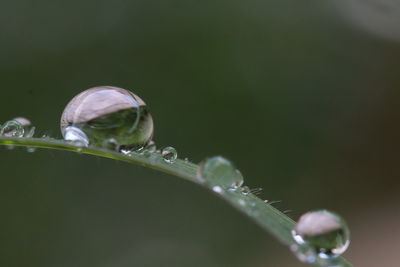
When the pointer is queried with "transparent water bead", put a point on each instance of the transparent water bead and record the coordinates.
(146, 150)
(320, 236)
(29, 129)
(76, 136)
(245, 190)
(12, 129)
(150, 147)
(220, 171)
(169, 154)
(108, 112)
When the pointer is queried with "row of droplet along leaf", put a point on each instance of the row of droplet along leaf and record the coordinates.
(117, 119)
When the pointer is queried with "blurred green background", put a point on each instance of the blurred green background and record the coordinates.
(301, 95)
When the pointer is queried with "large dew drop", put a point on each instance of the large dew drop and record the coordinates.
(218, 171)
(108, 113)
(320, 236)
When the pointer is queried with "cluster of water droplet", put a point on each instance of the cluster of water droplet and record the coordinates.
(112, 118)
(320, 236)
(18, 127)
(168, 154)
(116, 119)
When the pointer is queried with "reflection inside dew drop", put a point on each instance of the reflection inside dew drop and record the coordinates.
(169, 154)
(29, 129)
(245, 190)
(12, 129)
(145, 151)
(23, 121)
(220, 171)
(148, 149)
(106, 112)
(151, 147)
(320, 236)
(76, 136)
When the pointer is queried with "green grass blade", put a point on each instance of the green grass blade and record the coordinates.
(265, 215)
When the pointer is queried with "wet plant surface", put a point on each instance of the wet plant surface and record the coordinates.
(114, 123)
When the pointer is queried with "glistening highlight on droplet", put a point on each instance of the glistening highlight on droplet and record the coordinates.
(12, 128)
(320, 235)
(29, 129)
(218, 171)
(104, 113)
(149, 149)
(76, 136)
(169, 154)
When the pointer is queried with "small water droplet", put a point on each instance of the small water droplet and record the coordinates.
(169, 154)
(29, 129)
(75, 136)
(220, 171)
(109, 112)
(245, 190)
(145, 151)
(149, 149)
(12, 129)
(320, 236)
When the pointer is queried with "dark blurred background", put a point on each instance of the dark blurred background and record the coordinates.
(302, 95)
